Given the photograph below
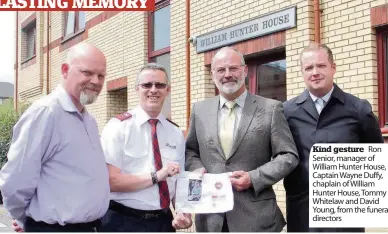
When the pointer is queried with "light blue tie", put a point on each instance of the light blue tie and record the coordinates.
(319, 104)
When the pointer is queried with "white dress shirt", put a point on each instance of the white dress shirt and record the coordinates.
(224, 111)
(56, 172)
(127, 145)
(324, 98)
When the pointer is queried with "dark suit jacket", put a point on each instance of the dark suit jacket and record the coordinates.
(263, 146)
(344, 119)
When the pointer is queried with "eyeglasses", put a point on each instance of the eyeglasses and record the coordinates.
(232, 69)
(149, 85)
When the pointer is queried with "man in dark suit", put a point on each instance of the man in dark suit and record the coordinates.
(323, 113)
(246, 135)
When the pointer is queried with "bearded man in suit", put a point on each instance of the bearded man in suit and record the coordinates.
(246, 135)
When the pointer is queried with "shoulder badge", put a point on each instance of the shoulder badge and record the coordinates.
(123, 116)
(172, 122)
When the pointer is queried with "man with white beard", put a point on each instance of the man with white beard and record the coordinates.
(247, 136)
(56, 179)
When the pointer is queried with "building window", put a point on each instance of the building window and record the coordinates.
(267, 76)
(382, 63)
(29, 41)
(271, 80)
(159, 42)
(75, 21)
(159, 31)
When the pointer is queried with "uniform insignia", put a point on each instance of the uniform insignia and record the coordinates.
(172, 122)
(124, 116)
(171, 146)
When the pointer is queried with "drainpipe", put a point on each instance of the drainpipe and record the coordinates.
(17, 64)
(48, 54)
(317, 22)
(188, 79)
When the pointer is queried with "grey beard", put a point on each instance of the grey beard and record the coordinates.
(86, 99)
(230, 90)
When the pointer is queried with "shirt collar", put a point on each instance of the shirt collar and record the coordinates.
(325, 98)
(240, 100)
(65, 100)
(142, 116)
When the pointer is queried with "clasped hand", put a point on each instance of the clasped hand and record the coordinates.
(182, 221)
(240, 180)
(169, 171)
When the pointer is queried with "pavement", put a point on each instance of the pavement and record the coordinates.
(5, 221)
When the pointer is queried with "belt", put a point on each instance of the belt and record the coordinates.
(143, 214)
(89, 225)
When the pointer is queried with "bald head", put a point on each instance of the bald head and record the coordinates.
(84, 73)
(84, 50)
(225, 50)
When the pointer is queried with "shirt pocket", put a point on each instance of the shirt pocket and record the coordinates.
(170, 152)
(135, 155)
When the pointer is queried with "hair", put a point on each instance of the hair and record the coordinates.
(153, 66)
(313, 46)
(228, 48)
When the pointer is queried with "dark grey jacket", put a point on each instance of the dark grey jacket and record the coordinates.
(344, 119)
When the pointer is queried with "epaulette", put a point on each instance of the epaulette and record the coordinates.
(124, 116)
(172, 122)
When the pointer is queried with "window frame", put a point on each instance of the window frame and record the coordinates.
(159, 4)
(254, 62)
(76, 30)
(258, 86)
(382, 78)
(32, 30)
(30, 26)
(153, 54)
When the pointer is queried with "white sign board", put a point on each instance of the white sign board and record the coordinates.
(263, 25)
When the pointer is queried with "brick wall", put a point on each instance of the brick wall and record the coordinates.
(125, 49)
(178, 63)
(30, 72)
(296, 39)
(116, 102)
(345, 28)
(208, 16)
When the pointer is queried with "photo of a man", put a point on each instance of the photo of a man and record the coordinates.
(195, 190)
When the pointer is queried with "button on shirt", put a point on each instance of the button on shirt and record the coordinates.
(224, 111)
(56, 172)
(127, 145)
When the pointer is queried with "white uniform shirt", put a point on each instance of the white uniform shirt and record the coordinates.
(127, 145)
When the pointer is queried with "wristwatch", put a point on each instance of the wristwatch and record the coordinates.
(154, 178)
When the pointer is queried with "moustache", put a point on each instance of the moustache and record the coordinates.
(230, 80)
(96, 88)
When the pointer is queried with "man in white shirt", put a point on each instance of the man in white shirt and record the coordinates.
(144, 152)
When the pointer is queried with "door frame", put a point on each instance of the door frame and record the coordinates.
(254, 62)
